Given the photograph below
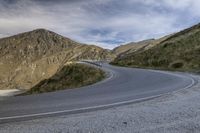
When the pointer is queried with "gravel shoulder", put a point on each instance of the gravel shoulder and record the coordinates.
(11, 92)
(176, 112)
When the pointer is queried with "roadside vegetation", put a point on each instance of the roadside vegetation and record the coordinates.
(69, 77)
(179, 52)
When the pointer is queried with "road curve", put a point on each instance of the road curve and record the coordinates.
(125, 85)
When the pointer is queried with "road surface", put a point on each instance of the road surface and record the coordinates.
(123, 86)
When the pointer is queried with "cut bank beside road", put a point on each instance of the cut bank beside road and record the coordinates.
(71, 76)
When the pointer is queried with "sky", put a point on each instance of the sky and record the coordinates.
(106, 23)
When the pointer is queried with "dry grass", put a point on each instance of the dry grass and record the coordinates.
(179, 52)
(69, 77)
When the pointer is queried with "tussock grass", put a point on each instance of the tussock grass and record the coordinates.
(180, 52)
(69, 77)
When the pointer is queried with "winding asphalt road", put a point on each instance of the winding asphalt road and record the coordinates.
(123, 86)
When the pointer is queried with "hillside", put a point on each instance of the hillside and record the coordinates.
(28, 58)
(132, 47)
(69, 77)
(180, 51)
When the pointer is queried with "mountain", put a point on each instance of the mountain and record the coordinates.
(28, 58)
(180, 51)
(132, 47)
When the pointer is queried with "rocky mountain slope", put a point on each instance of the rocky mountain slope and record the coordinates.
(28, 58)
(180, 51)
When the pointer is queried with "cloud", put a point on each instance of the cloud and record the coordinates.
(106, 23)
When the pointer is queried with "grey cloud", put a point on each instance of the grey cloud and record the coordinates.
(107, 23)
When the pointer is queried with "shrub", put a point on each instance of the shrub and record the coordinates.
(177, 64)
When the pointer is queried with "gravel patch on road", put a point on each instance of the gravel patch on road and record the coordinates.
(178, 112)
(11, 92)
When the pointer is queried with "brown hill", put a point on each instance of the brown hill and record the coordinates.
(28, 58)
(180, 51)
(132, 47)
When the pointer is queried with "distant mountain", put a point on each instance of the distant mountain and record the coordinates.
(28, 58)
(180, 51)
(132, 47)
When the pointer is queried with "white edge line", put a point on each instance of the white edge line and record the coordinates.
(100, 106)
(81, 109)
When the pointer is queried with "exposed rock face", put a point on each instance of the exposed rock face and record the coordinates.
(30, 57)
